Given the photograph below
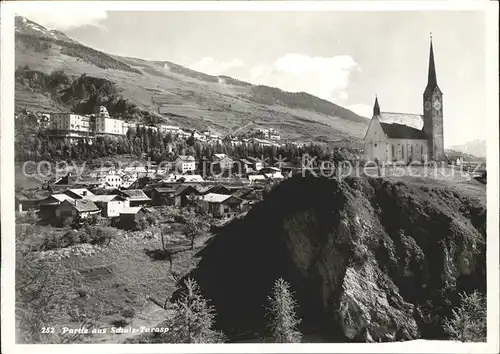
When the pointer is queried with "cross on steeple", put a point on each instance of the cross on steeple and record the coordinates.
(431, 77)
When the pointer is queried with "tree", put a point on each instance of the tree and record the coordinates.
(193, 318)
(468, 323)
(194, 226)
(282, 320)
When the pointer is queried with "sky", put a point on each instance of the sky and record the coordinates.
(344, 57)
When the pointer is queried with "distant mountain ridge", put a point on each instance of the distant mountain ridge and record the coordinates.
(475, 147)
(189, 98)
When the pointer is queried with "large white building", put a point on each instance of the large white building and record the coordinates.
(185, 163)
(70, 125)
(165, 129)
(104, 124)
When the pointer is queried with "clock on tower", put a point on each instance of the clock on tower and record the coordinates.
(437, 104)
(427, 105)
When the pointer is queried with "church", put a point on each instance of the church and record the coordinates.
(407, 137)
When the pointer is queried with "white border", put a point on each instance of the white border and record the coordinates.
(7, 175)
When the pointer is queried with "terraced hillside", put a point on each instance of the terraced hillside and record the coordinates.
(186, 97)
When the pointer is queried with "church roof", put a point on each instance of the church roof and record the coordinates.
(401, 131)
(412, 120)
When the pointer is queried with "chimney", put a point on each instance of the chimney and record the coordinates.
(84, 193)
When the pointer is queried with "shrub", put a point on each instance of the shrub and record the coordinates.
(120, 322)
(141, 224)
(102, 235)
(128, 313)
(152, 219)
(468, 322)
(282, 320)
(51, 240)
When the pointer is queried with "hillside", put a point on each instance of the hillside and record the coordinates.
(186, 97)
(369, 259)
(475, 148)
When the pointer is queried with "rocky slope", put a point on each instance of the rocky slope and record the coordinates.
(368, 259)
(190, 98)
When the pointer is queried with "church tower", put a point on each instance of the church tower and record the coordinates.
(433, 112)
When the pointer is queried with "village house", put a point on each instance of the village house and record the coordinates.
(129, 217)
(243, 166)
(168, 129)
(30, 201)
(257, 163)
(186, 195)
(66, 181)
(221, 164)
(83, 208)
(257, 178)
(49, 205)
(163, 196)
(135, 197)
(185, 163)
(110, 205)
(272, 172)
(221, 205)
(111, 181)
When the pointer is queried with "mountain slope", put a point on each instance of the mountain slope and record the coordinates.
(475, 148)
(188, 98)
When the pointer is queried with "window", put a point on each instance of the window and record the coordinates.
(422, 149)
(402, 151)
(392, 151)
(375, 144)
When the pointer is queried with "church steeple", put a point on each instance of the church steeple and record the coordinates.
(376, 108)
(433, 111)
(431, 77)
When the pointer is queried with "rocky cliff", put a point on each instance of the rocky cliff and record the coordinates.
(368, 259)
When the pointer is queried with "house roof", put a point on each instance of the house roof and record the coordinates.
(242, 192)
(135, 194)
(185, 158)
(191, 178)
(185, 187)
(412, 120)
(246, 162)
(164, 189)
(254, 159)
(104, 198)
(80, 191)
(220, 156)
(66, 180)
(130, 210)
(61, 197)
(84, 205)
(254, 177)
(215, 198)
(401, 131)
